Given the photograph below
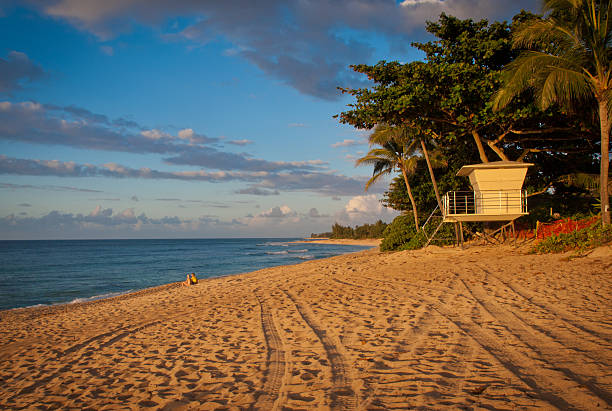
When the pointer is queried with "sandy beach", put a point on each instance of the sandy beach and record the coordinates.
(484, 327)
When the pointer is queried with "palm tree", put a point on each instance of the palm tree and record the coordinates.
(389, 156)
(568, 60)
(409, 137)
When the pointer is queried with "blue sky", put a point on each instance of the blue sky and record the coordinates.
(181, 119)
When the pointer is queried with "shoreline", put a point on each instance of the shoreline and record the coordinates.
(374, 242)
(359, 330)
(135, 293)
(99, 290)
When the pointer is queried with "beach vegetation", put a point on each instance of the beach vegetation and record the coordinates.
(401, 235)
(448, 102)
(398, 233)
(579, 241)
(359, 232)
(567, 61)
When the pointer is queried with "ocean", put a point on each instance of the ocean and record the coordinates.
(34, 273)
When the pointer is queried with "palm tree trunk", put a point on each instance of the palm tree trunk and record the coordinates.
(604, 122)
(431, 174)
(414, 209)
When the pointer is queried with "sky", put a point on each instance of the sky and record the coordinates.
(192, 118)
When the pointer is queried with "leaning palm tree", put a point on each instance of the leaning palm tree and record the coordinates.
(386, 158)
(408, 136)
(568, 60)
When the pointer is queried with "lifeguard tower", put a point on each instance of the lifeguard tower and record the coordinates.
(498, 195)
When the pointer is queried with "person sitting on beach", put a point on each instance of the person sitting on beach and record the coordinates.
(193, 279)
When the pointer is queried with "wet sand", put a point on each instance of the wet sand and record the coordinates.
(438, 329)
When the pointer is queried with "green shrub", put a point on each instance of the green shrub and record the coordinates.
(401, 235)
(580, 240)
(417, 241)
(398, 233)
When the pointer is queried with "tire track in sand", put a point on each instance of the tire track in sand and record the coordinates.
(546, 348)
(415, 338)
(116, 334)
(516, 363)
(270, 399)
(530, 297)
(342, 395)
(81, 349)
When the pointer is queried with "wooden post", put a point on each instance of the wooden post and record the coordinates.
(461, 233)
(456, 234)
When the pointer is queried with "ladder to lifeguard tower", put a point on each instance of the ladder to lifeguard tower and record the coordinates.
(435, 219)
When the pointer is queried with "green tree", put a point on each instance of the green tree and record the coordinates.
(448, 96)
(386, 156)
(568, 60)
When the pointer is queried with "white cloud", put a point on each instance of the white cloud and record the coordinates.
(99, 211)
(347, 143)
(278, 212)
(365, 209)
(186, 134)
(153, 134)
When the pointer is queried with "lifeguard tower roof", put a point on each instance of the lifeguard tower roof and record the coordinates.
(498, 175)
(497, 194)
(465, 170)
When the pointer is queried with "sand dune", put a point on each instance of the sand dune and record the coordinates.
(438, 329)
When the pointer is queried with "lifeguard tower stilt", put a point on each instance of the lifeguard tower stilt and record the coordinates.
(498, 196)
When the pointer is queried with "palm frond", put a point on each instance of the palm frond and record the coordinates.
(532, 70)
(370, 160)
(375, 177)
(564, 87)
(541, 34)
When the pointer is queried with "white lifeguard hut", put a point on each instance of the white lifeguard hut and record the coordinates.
(498, 193)
(497, 196)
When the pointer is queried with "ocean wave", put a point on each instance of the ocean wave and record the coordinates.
(273, 244)
(305, 257)
(276, 252)
(298, 251)
(99, 297)
(30, 306)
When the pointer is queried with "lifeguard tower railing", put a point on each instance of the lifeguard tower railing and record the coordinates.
(469, 205)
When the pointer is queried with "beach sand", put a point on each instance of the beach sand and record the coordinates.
(438, 328)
